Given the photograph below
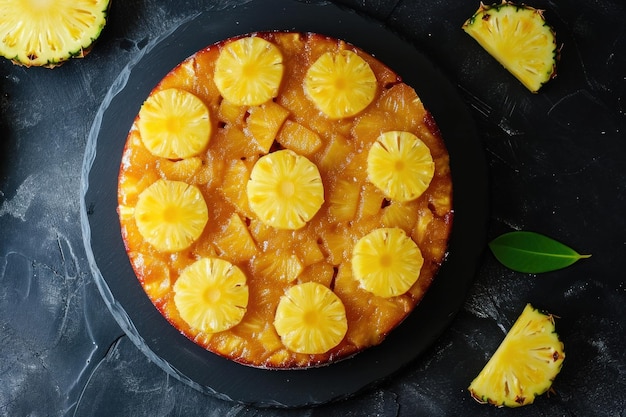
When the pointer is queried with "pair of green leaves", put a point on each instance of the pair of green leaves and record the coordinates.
(531, 252)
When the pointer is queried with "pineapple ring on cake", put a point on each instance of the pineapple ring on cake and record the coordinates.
(211, 295)
(340, 84)
(400, 165)
(171, 215)
(291, 201)
(310, 318)
(386, 262)
(248, 71)
(174, 124)
(285, 190)
(48, 33)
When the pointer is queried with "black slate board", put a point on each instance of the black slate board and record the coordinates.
(150, 331)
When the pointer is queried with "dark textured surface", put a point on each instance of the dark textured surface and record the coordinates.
(556, 166)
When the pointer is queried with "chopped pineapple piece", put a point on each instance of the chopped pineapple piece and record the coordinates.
(280, 266)
(400, 165)
(233, 186)
(386, 262)
(343, 200)
(180, 170)
(524, 365)
(519, 38)
(248, 71)
(264, 122)
(231, 113)
(285, 190)
(235, 241)
(174, 124)
(171, 215)
(299, 138)
(211, 295)
(48, 33)
(310, 319)
(336, 154)
(340, 84)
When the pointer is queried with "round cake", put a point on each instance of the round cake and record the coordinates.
(285, 199)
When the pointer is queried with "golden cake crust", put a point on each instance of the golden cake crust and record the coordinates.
(274, 260)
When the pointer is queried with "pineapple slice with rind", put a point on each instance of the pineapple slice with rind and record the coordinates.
(386, 262)
(310, 318)
(48, 33)
(211, 295)
(400, 165)
(524, 365)
(285, 190)
(248, 71)
(340, 84)
(174, 124)
(519, 38)
(171, 215)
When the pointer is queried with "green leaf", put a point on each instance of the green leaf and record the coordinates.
(532, 252)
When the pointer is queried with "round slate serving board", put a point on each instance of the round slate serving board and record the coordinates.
(172, 351)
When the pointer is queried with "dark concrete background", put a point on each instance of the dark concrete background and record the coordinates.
(556, 166)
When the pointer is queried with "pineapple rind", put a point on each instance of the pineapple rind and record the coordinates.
(211, 295)
(518, 37)
(524, 365)
(39, 35)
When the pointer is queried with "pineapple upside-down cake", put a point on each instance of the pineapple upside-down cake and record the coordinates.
(285, 199)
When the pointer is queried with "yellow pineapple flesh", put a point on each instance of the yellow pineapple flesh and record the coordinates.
(48, 33)
(264, 122)
(524, 365)
(249, 71)
(299, 138)
(211, 295)
(519, 38)
(386, 262)
(400, 165)
(174, 124)
(235, 242)
(340, 84)
(171, 215)
(310, 318)
(285, 190)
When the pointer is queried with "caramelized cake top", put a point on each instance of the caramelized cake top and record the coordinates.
(285, 199)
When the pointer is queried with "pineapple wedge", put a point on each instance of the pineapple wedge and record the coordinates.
(174, 124)
(171, 215)
(519, 38)
(211, 295)
(248, 71)
(400, 165)
(525, 363)
(341, 85)
(48, 33)
(386, 262)
(310, 319)
(285, 190)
